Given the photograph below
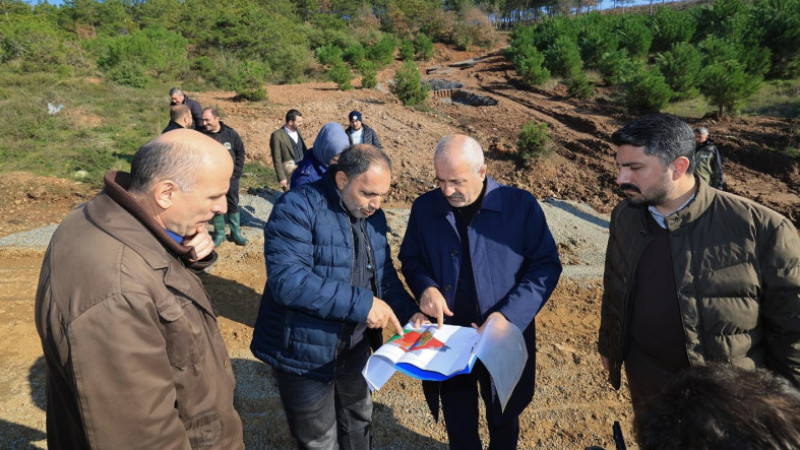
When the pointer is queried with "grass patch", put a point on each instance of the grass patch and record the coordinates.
(779, 98)
(256, 175)
(694, 108)
(99, 127)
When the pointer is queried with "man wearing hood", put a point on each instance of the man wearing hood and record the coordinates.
(330, 142)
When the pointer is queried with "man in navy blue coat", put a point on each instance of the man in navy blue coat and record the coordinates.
(331, 287)
(475, 249)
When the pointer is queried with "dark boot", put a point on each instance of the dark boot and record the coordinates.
(219, 229)
(234, 219)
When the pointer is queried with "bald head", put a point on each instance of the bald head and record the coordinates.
(462, 148)
(460, 170)
(178, 155)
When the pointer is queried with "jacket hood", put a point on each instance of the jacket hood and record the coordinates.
(330, 141)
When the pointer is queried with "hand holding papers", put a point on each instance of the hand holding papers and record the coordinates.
(428, 353)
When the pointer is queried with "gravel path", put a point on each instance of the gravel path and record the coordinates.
(581, 232)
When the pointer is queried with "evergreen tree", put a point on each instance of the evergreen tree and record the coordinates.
(726, 85)
(408, 85)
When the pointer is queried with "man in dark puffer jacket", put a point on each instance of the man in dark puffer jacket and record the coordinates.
(692, 274)
(331, 287)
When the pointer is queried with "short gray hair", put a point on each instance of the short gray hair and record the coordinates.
(174, 91)
(158, 160)
(701, 130)
(469, 149)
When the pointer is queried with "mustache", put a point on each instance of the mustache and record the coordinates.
(630, 187)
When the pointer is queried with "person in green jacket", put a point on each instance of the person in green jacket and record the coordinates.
(692, 274)
(708, 162)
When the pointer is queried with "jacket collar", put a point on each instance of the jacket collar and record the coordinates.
(491, 201)
(144, 235)
(703, 197)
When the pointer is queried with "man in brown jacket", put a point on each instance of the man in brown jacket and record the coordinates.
(133, 354)
(287, 147)
(692, 274)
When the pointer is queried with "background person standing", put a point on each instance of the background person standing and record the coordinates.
(177, 97)
(360, 133)
(707, 159)
(287, 147)
(229, 138)
(692, 274)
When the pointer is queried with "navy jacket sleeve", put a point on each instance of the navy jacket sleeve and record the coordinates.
(300, 274)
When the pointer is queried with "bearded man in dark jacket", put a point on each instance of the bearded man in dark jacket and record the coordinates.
(331, 288)
(692, 274)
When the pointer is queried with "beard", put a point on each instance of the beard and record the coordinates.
(655, 196)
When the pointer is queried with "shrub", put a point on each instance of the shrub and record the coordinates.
(250, 77)
(162, 52)
(406, 50)
(533, 141)
(473, 28)
(382, 52)
(203, 65)
(408, 85)
(551, 29)
(340, 74)
(647, 91)
(355, 55)
(423, 45)
(780, 24)
(369, 75)
(617, 68)
(129, 73)
(328, 54)
(291, 63)
(578, 86)
(529, 67)
(32, 44)
(563, 58)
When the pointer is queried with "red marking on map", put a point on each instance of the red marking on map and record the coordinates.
(414, 340)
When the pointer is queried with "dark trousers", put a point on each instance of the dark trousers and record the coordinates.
(646, 378)
(324, 414)
(460, 407)
(232, 196)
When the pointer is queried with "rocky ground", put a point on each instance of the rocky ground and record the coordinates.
(574, 407)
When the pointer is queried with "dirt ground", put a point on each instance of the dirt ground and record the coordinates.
(573, 407)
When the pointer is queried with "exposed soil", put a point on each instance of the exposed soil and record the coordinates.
(574, 407)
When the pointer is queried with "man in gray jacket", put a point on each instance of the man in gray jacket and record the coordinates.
(134, 358)
(692, 274)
